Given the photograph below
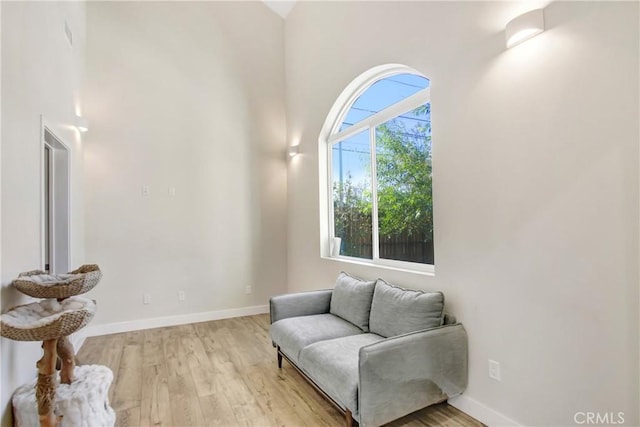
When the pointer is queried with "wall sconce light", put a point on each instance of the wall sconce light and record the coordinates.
(524, 27)
(293, 150)
(82, 124)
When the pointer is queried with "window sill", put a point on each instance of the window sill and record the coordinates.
(367, 263)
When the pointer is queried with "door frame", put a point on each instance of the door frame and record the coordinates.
(60, 199)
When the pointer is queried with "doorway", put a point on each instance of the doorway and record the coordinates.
(55, 203)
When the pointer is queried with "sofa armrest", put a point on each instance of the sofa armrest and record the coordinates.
(402, 374)
(300, 304)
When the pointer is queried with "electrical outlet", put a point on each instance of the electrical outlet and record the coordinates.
(248, 290)
(181, 296)
(146, 191)
(494, 370)
(172, 191)
(146, 298)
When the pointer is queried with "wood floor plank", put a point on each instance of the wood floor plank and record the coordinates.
(155, 404)
(303, 397)
(134, 338)
(111, 358)
(217, 411)
(271, 399)
(128, 382)
(220, 373)
(91, 350)
(244, 405)
(206, 332)
(185, 410)
(179, 376)
(128, 417)
(152, 350)
(200, 366)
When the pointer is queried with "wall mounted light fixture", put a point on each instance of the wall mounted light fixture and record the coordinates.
(82, 124)
(524, 27)
(293, 150)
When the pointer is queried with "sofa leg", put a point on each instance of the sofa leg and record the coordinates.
(279, 359)
(348, 418)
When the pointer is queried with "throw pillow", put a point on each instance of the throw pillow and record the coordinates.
(351, 300)
(397, 311)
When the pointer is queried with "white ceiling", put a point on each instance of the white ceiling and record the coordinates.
(281, 7)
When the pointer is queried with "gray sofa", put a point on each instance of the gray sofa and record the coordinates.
(376, 351)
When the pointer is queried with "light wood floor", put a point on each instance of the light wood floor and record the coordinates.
(220, 373)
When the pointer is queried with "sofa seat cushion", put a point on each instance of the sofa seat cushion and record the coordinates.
(333, 365)
(397, 311)
(295, 333)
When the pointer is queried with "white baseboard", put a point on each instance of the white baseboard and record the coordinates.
(482, 413)
(160, 322)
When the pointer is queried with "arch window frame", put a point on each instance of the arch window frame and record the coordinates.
(331, 135)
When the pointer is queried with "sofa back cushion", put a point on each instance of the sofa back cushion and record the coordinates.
(397, 311)
(351, 300)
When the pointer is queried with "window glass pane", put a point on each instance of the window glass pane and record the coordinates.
(383, 94)
(403, 167)
(351, 162)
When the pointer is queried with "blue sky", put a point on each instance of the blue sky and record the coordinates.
(355, 156)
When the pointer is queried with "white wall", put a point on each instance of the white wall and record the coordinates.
(535, 186)
(190, 96)
(41, 75)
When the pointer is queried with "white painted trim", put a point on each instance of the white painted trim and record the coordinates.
(405, 267)
(41, 144)
(181, 319)
(375, 231)
(481, 412)
(47, 126)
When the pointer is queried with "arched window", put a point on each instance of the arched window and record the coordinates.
(378, 170)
